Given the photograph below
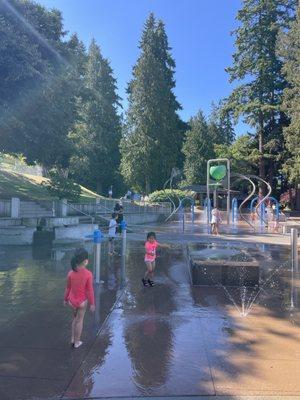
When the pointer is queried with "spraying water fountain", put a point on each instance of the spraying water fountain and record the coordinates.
(246, 276)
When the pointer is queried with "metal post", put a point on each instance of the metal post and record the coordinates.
(193, 212)
(294, 249)
(215, 198)
(294, 269)
(228, 192)
(123, 254)
(207, 190)
(97, 254)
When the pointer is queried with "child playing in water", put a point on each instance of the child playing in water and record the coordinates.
(150, 247)
(79, 292)
(215, 220)
(112, 234)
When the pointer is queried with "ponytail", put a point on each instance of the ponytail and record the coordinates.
(78, 258)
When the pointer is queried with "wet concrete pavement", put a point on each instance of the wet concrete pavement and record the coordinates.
(169, 340)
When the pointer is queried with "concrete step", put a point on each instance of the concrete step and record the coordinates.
(38, 214)
(31, 209)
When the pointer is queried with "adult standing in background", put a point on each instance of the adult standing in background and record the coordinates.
(110, 192)
(119, 210)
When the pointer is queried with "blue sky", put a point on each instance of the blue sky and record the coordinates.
(198, 31)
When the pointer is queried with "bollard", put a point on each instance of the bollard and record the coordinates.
(123, 253)
(294, 269)
(193, 212)
(294, 249)
(181, 215)
(97, 254)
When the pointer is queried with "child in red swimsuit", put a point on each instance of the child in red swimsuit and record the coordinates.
(150, 247)
(79, 292)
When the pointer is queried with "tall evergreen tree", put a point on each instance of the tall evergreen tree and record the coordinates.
(198, 148)
(220, 126)
(39, 83)
(257, 66)
(152, 142)
(97, 133)
(289, 48)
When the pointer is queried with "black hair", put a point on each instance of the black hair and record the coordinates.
(114, 215)
(151, 234)
(78, 258)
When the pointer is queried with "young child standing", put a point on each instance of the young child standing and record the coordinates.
(150, 247)
(112, 233)
(78, 293)
(216, 220)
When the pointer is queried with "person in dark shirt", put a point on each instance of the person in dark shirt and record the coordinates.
(119, 210)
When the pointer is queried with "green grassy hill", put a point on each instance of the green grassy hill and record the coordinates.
(26, 186)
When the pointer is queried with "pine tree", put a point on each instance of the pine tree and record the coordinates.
(152, 144)
(257, 66)
(198, 148)
(289, 48)
(97, 133)
(220, 126)
(40, 82)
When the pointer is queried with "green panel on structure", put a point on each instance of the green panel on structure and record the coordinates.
(217, 172)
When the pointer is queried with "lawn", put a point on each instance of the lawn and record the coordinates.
(26, 186)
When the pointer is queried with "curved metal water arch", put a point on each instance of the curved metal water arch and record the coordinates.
(241, 176)
(264, 198)
(171, 201)
(175, 209)
(180, 205)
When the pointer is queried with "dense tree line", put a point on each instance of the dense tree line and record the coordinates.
(59, 105)
(258, 69)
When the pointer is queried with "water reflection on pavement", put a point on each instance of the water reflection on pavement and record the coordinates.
(172, 339)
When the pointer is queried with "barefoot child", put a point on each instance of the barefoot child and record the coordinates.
(112, 233)
(79, 292)
(150, 247)
(216, 220)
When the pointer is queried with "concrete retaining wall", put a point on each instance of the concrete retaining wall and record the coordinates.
(139, 219)
(16, 235)
(65, 234)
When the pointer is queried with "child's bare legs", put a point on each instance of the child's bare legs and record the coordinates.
(111, 246)
(213, 228)
(150, 270)
(77, 323)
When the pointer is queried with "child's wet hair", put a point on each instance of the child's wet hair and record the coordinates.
(78, 258)
(114, 215)
(151, 234)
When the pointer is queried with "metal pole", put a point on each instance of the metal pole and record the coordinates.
(97, 252)
(207, 190)
(215, 198)
(193, 212)
(228, 192)
(294, 269)
(123, 256)
(294, 249)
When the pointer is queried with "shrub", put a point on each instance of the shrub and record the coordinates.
(173, 194)
(62, 187)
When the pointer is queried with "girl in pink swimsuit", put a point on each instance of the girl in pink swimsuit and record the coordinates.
(79, 292)
(150, 247)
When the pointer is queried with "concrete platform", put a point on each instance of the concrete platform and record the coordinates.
(172, 340)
